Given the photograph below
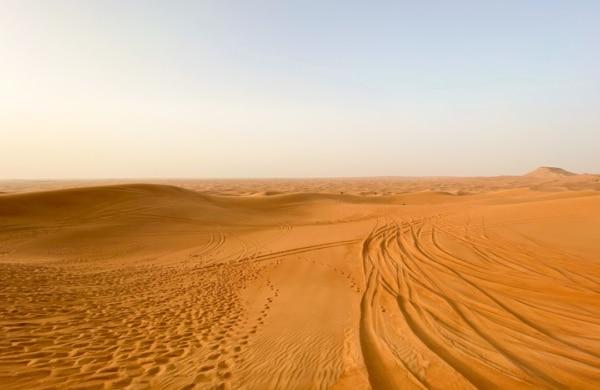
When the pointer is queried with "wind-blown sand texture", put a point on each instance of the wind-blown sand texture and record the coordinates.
(492, 283)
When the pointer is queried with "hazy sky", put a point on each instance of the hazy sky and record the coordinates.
(297, 88)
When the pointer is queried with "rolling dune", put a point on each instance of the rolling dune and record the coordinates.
(435, 284)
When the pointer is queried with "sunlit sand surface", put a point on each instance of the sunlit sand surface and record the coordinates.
(381, 283)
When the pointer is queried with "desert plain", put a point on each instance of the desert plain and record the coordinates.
(350, 283)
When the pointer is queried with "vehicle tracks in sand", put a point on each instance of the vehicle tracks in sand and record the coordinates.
(431, 318)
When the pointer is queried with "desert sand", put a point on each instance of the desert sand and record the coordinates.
(383, 283)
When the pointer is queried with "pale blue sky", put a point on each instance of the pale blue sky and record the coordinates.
(280, 88)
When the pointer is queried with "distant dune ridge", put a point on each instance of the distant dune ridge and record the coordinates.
(543, 178)
(549, 172)
(362, 283)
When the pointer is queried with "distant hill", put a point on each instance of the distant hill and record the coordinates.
(549, 173)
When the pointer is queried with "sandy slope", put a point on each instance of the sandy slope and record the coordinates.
(162, 287)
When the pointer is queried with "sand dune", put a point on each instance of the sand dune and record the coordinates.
(549, 172)
(309, 284)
